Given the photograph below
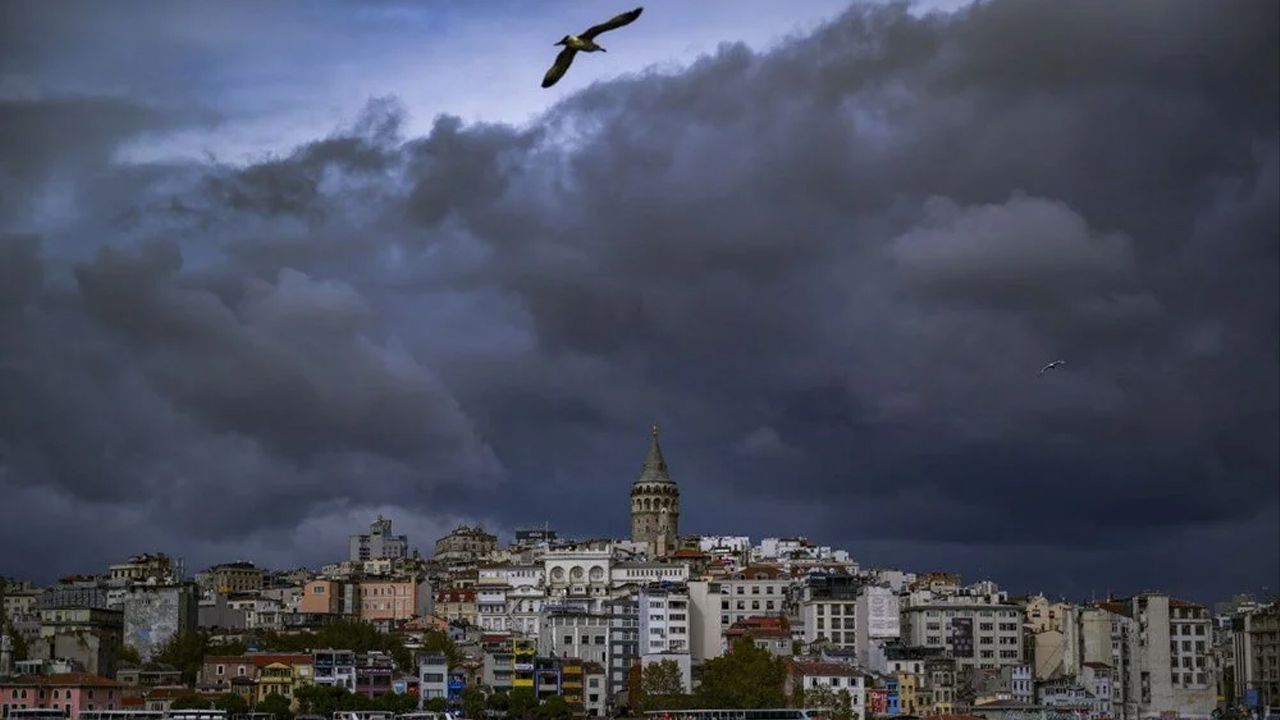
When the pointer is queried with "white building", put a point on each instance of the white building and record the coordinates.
(839, 677)
(379, 543)
(1097, 679)
(706, 626)
(575, 634)
(877, 622)
(433, 678)
(595, 696)
(787, 550)
(828, 611)
(335, 667)
(625, 575)
(753, 590)
(573, 573)
(510, 598)
(711, 544)
(664, 620)
(978, 630)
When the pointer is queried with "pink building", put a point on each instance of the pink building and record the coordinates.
(394, 599)
(70, 692)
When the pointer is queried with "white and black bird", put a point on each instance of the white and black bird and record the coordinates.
(586, 43)
(1052, 366)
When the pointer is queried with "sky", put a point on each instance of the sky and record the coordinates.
(268, 270)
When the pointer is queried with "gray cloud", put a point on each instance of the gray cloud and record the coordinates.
(831, 271)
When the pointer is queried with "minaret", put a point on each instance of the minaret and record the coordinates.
(655, 504)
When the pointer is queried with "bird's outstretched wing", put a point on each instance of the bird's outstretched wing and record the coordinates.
(625, 18)
(558, 68)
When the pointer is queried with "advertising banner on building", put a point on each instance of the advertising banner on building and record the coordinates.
(882, 613)
(877, 701)
(962, 637)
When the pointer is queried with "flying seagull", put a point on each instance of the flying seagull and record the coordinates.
(1052, 366)
(586, 43)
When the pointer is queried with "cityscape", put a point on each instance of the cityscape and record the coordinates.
(606, 627)
(693, 360)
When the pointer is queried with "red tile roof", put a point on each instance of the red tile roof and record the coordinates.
(759, 572)
(76, 679)
(168, 692)
(260, 659)
(758, 632)
(689, 553)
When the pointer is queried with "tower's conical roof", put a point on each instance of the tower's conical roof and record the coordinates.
(655, 467)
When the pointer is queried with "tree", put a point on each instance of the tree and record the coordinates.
(185, 652)
(129, 654)
(661, 687)
(838, 705)
(473, 702)
(233, 703)
(521, 703)
(355, 635)
(438, 643)
(744, 677)
(436, 704)
(191, 701)
(397, 703)
(321, 700)
(277, 705)
(19, 642)
(498, 702)
(553, 708)
(662, 678)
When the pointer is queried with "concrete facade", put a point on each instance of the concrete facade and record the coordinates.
(155, 613)
(379, 544)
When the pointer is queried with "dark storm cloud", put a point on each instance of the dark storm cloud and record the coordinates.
(831, 271)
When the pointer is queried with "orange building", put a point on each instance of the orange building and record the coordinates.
(322, 597)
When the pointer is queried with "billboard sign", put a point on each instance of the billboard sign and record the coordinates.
(962, 637)
(882, 613)
(877, 701)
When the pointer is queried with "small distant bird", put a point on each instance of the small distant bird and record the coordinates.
(1052, 366)
(586, 43)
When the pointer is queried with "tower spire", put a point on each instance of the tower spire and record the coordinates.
(655, 466)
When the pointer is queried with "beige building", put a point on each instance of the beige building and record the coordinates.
(1257, 655)
(466, 545)
(457, 605)
(1161, 658)
(236, 577)
(89, 636)
(706, 628)
(655, 504)
(141, 568)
